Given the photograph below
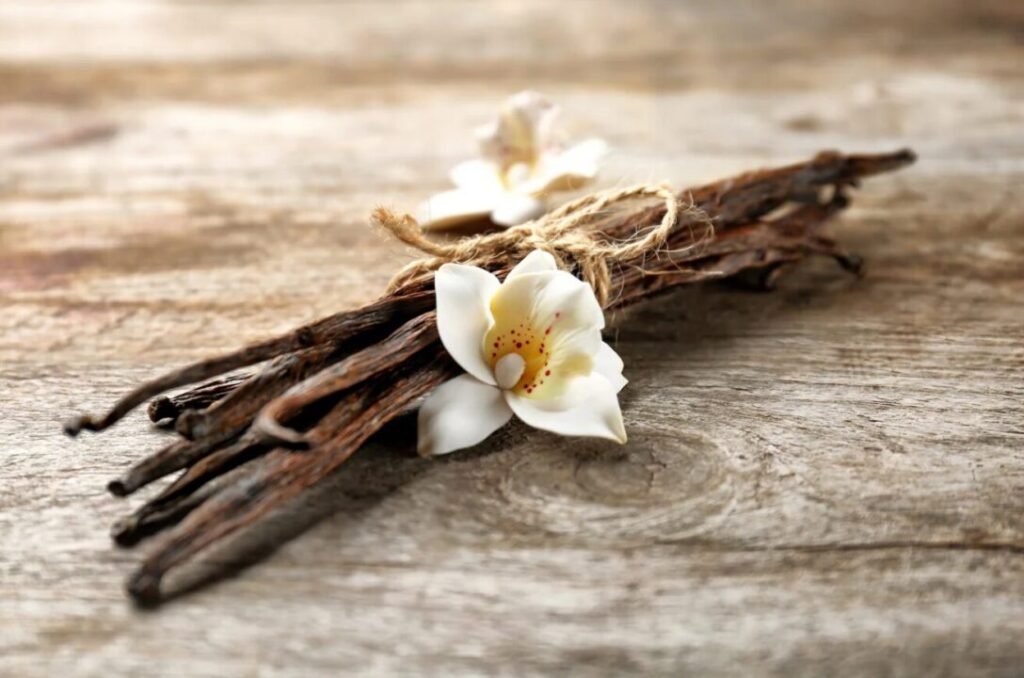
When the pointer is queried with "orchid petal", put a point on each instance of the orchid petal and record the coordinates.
(537, 261)
(477, 175)
(572, 354)
(451, 208)
(513, 209)
(589, 407)
(609, 365)
(513, 302)
(555, 299)
(572, 320)
(568, 170)
(550, 298)
(523, 124)
(583, 159)
(464, 316)
(459, 413)
(565, 301)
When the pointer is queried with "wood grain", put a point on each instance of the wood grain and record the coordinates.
(825, 480)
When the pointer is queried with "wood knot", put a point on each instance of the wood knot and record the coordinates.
(665, 485)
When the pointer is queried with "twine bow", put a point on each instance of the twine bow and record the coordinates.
(560, 233)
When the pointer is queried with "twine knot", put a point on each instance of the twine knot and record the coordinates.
(561, 233)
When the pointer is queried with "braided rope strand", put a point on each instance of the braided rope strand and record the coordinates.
(560, 232)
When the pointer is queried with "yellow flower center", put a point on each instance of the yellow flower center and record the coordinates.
(513, 174)
(532, 345)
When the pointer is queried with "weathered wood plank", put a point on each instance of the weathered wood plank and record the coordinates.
(825, 480)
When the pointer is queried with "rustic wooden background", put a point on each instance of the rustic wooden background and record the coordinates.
(827, 480)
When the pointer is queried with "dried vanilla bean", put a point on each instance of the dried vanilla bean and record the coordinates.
(336, 328)
(409, 339)
(375, 362)
(281, 474)
(169, 408)
(220, 424)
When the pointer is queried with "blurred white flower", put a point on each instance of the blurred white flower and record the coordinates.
(521, 164)
(531, 346)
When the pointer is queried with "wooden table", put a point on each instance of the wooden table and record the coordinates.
(826, 480)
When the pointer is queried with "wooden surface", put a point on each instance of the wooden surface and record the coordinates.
(826, 480)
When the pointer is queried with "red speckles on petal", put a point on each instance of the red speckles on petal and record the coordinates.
(526, 339)
(547, 373)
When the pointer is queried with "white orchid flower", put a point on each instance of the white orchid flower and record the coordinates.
(522, 164)
(531, 346)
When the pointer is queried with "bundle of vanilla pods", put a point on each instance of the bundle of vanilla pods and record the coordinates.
(337, 381)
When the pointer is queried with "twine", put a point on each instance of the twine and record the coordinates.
(560, 233)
